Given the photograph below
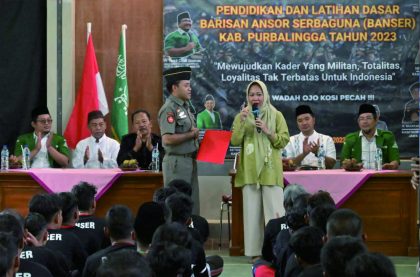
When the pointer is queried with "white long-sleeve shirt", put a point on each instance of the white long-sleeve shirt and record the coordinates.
(109, 148)
(295, 147)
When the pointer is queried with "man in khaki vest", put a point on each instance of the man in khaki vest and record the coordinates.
(179, 132)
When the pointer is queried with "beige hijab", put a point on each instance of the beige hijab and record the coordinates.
(268, 114)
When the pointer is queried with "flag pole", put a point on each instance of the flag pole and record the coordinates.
(89, 30)
(123, 30)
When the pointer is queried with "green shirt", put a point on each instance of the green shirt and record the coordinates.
(272, 172)
(352, 147)
(179, 39)
(175, 118)
(58, 142)
(204, 120)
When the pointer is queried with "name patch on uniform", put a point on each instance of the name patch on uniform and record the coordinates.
(170, 117)
(181, 114)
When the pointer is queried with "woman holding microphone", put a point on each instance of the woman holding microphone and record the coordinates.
(261, 131)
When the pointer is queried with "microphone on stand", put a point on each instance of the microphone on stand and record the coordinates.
(256, 113)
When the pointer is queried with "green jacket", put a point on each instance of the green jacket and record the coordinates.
(352, 147)
(204, 120)
(272, 173)
(58, 142)
(179, 39)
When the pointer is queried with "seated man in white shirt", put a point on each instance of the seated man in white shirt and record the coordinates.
(304, 147)
(98, 150)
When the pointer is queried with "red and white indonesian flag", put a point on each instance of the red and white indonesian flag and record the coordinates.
(90, 96)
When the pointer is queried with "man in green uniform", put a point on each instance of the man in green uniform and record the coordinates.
(209, 118)
(182, 42)
(47, 149)
(179, 132)
(362, 145)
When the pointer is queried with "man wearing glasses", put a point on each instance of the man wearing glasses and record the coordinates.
(362, 145)
(47, 149)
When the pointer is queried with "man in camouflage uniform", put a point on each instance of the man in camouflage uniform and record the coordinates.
(179, 132)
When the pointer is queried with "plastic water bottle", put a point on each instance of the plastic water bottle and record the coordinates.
(155, 158)
(4, 158)
(378, 159)
(284, 153)
(26, 160)
(321, 157)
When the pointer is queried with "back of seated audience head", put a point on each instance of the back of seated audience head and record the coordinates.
(181, 186)
(9, 258)
(320, 198)
(319, 215)
(85, 195)
(291, 192)
(124, 263)
(370, 265)
(337, 252)
(307, 243)
(9, 223)
(345, 222)
(169, 259)
(181, 207)
(119, 222)
(69, 208)
(36, 224)
(149, 217)
(173, 232)
(296, 216)
(49, 205)
(160, 195)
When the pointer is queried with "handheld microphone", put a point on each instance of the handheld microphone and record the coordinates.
(256, 113)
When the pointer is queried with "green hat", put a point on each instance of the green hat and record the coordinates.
(177, 74)
(183, 15)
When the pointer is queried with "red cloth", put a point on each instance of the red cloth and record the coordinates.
(214, 146)
(264, 271)
(86, 101)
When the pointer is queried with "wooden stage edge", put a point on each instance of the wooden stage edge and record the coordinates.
(387, 204)
(17, 188)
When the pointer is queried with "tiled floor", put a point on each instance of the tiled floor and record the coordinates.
(240, 266)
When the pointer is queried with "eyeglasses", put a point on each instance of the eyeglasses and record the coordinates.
(44, 121)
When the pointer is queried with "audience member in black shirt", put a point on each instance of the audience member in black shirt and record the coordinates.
(35, 251)
(275, 225)
(337, 252)
(149, 217)
(306, 244)
(9, 257)
(124, 263)
(370, 265)
(12, 223)
(92, 226)
(139, 145)
(119, 228)
(59, 238)
(197, 222)
(168, 259)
